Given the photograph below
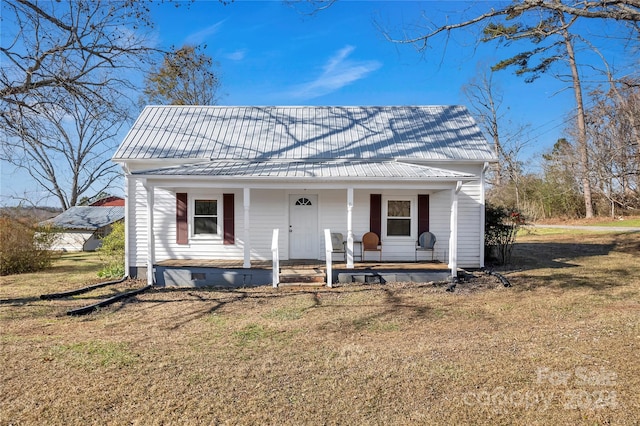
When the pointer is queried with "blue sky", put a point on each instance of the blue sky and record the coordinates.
(273, 54)
(270, 53)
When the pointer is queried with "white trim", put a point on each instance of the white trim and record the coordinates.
(413, 199)
(193, 216)
(206, 196)
(310, 180)
(246, 196)
(350, 228)
(210, 183)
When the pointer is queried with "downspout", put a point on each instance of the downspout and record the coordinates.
(482, 211)
(127, 221)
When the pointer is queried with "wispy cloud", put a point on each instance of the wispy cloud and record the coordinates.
(201, 36)
(238, 55)
(339, 71)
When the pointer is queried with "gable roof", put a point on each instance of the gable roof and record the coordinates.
(111, 200)
(427, 133)
(87, 217)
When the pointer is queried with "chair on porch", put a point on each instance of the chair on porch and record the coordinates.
(426, 242)
(371, 242)
(337, 244)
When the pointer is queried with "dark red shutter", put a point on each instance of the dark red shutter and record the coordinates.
(182, 228)
(375, 214)
(228, 219)
(423, 213)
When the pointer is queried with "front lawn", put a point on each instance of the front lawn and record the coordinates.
(559, 347)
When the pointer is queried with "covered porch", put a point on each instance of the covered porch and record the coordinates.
(245, 255)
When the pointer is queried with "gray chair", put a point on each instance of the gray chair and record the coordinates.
(426, 242)
(337, 244)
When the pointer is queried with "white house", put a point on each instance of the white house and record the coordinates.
(213, 182)
(81, 228)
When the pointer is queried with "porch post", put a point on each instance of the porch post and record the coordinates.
(247, 240)
(453, 236)
(350, 228)
(151, 249)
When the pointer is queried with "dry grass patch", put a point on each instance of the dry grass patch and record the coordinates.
(560, 346)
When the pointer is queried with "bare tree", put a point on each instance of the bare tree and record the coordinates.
(66, 148)
(613, 145)
(65, 86)
(73, 48)
(486, 101)
(544, 25)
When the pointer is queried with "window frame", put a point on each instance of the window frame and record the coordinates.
(413, 217)
(192, 216)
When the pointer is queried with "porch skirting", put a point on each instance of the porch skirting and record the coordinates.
(230, 273)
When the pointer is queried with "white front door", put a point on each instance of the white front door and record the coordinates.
(303, 226)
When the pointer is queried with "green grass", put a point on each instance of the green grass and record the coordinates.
(634, 223)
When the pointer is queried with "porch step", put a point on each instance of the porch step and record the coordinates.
(301, 286)
(302, 276)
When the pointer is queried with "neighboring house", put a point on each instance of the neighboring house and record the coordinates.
(212, 183)
(81, 228)
(108, 202)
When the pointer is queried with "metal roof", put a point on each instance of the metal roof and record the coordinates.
(307, 169)
(87, 217)
(305, 133)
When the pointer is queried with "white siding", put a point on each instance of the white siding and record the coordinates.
(74, 241)
(137, 225)
(469, 226)
(439, 221)
(204, 248)
(332, 214)
(270, 209)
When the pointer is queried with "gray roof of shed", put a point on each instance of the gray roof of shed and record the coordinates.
(87, 217)
(305, 169)
(428, 133)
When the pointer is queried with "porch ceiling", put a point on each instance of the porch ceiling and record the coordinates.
(338, 170)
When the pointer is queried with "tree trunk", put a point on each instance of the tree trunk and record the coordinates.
(582, 128)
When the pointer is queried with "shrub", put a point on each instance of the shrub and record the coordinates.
(501, 227)
(112, 252)
(24, 247)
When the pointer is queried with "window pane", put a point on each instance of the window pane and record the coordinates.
(399, 209)
(206, 207)
(399, 227)
(205, 225)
